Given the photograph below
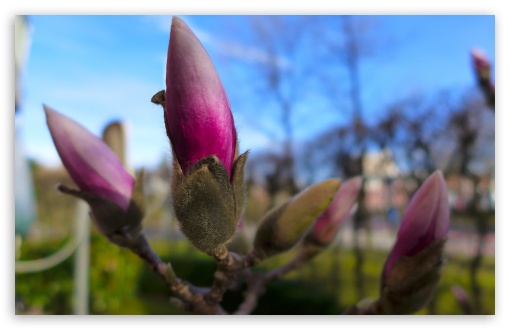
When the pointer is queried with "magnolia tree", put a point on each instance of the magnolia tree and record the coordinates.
(208, 193)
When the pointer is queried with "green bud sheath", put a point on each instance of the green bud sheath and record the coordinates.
(121, 228)
(412, 281)
(239, 189)
(284, 226)
(207, 205)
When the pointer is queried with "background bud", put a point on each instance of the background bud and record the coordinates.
(480, 61)
(198, 116)
(283, 226)
(412, 270)
(425, 221)
(483, 72)
(462, 299)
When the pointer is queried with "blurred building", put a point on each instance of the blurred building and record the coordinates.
(379, 170)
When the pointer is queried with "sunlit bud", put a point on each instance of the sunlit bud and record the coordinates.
(208, 182)
(198, 118)
(286, 224)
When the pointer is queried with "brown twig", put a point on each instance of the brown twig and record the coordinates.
(256, 287)
(190, 297)
(257, 282)
(230, 265)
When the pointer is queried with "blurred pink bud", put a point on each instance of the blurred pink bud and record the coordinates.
(198, 115)
(479, 59)
(91, 164)
(340, 208)
(459, 293)
(240, 224)
(425, 221)
(462, 299)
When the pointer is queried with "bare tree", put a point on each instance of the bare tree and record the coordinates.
(347, 47)
(472, 129)
(283, 80)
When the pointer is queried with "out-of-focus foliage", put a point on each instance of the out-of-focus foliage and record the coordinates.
(113, 279)
(120, 284)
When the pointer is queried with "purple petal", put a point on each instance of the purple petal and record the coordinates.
(426, 220)
(89, 161)
(199, 118)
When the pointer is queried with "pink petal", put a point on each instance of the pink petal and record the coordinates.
(199, 118)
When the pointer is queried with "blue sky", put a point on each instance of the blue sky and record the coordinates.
(95, 69)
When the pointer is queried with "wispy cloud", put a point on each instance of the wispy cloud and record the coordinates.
(227, 47)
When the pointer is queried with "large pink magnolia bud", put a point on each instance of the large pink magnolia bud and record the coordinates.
(103, 181)
(198, 117)
(425, 221)
(208, 189)
(327, 224)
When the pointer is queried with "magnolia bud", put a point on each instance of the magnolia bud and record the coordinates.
(117, 206)
(462, 299)
(285, 225)
(411, 272)
(483, 72)
(208, 180)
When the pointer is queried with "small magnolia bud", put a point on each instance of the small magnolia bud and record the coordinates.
(462, 299)
(326, 226)
(198, 118)
(483, 70)
(116, 203)
(411, 272)
(285, 225)
(480, 61)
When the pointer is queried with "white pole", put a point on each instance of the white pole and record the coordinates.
(82, 260)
